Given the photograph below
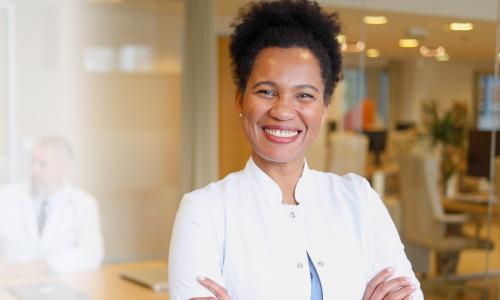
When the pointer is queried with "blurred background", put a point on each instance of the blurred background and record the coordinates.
(142, 90)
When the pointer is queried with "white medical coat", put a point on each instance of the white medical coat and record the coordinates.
(71, 240)
(238, 233)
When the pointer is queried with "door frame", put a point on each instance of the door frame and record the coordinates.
(8, 7)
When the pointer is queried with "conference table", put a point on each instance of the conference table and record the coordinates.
(102, 284)
(472, 204)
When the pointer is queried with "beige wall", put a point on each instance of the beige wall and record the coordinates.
(124, 126)
(129, 141)
(419, 80)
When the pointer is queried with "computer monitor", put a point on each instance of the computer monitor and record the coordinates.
(401, 126)
(478, 156)
(376, 143)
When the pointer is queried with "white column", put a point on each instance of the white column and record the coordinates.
(199, 96)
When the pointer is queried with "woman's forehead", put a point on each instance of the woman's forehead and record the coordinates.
(287, 64)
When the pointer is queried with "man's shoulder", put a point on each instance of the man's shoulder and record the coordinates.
(79, 196)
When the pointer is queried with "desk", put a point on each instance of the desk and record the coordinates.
(469, 207)
(103, 284)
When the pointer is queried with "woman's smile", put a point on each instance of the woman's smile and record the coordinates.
(283, 105)
(281, 134)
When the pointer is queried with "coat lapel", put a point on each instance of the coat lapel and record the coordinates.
(28, 216)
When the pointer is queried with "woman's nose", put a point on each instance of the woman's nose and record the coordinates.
(283, 109)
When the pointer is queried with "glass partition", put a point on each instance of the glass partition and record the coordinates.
(419, 82)
(435, 99)
(96, 134)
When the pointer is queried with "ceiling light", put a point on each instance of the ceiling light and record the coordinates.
(353, 48)
(408, 43)
(372, 53)
(461, 26)
(432, 52)
(375, 20)
(341, 38)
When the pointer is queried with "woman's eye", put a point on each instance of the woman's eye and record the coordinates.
(305, 96)
(266, 93)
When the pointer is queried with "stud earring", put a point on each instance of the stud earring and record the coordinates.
(241, 115)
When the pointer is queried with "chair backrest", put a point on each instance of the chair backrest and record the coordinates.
(421, 201)
(347, 153)
(497, 178)
(398, 143)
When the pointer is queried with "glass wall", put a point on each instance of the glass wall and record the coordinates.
(419, 83)
(89, 109)
(437, 78)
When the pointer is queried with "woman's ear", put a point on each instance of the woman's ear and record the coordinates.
(324, 115)
(238, 101)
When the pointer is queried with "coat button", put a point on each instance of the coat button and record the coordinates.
(300, 266)
(320, 263)
(292, 215)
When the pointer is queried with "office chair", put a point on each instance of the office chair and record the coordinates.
(347, 153)
(425, 224)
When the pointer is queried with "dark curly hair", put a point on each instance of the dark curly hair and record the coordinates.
(286, 24)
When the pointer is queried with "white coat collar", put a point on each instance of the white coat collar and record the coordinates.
(303, 190)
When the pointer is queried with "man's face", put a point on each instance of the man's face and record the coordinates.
(47, 170)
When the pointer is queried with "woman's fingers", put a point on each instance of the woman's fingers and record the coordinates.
(376, 281)
(402, 294)
(394, 289)
(219, 292)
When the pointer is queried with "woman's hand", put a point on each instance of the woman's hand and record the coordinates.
(219, 292)
(379, 288)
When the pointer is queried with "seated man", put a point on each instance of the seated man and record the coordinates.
(47, 225)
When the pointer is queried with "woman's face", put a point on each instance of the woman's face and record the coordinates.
(282, 106)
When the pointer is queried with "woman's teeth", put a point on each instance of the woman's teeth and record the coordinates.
(281, 133)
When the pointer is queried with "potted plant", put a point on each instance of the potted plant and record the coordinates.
(448, 132)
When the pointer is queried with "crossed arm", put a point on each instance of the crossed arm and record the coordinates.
(379, 288)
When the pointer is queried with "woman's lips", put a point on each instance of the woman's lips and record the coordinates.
(281, 134)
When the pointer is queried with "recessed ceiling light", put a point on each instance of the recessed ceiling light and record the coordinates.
(372, 52)
(375, 20)
(461, 26)
(341, 38)
(432, 52)
(353, 48)
(408, 43)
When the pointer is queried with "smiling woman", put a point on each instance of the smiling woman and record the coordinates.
(278, 230)
(283, 105)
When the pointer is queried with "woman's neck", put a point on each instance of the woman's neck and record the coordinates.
(286, 175)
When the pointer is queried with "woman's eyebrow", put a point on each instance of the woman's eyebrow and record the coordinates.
(302, 86)
(264, 83)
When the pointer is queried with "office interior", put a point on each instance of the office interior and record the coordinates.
(142, 90)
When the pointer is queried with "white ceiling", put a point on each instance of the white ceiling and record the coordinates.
(477, 45)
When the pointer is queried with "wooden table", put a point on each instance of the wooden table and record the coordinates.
(471, 207)
(103, 284)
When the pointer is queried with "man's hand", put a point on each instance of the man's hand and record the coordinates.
(219, 292)
(379, 288)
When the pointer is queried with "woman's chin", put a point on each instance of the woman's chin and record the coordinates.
(278, 157)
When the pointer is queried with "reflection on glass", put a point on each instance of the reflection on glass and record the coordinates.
(107, 76)
(434, 169)
(46, 224)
